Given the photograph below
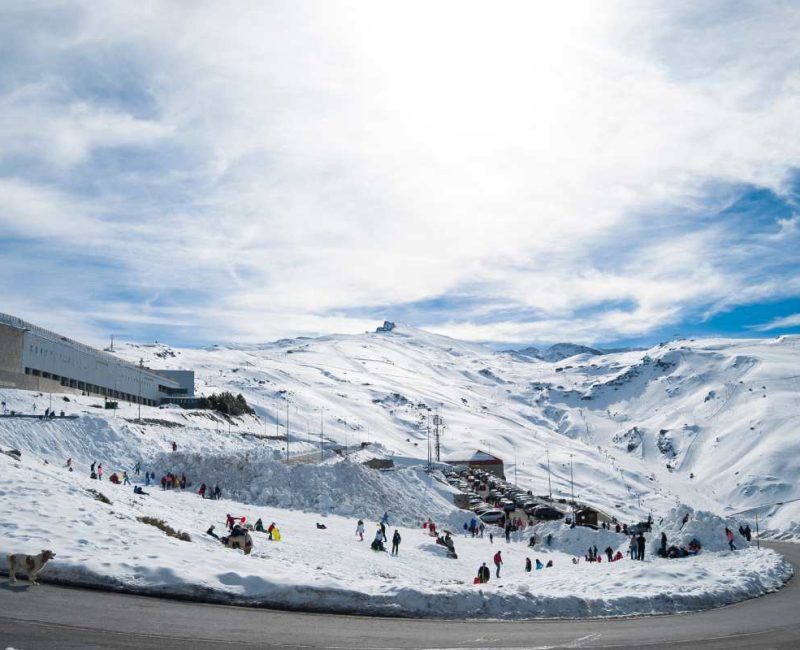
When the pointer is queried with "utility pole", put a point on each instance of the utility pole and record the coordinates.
(287, 430)
(141, 365)
(321, 410)
(437, 422)
(758, 537)
(549, 485)
(428, 421)
(515, 467)
(572, 487)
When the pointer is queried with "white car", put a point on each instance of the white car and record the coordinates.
(492, 516)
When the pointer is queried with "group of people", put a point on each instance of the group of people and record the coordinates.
(213, 493)
(593, 556)
(379, 542)
(170, 481)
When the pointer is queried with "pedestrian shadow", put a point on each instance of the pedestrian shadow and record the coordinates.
(19, 586)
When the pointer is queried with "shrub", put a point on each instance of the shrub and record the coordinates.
(227, 403)
(100, 496)
(164, 526)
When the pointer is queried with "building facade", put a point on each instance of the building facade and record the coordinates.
(33, 358)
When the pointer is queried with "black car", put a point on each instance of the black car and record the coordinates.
(546, 512)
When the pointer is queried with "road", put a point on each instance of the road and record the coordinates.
(58, 617)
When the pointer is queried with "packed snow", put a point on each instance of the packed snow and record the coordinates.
(329, 569)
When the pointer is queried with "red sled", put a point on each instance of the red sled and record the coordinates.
(476, 581)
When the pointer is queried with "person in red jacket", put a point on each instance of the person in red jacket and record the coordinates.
(498, 562)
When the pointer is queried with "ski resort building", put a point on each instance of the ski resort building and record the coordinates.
(481, 460)
(33, 358)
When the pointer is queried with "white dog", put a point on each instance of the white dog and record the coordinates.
(32, 564)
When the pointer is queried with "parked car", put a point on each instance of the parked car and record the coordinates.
(546, 512)
(509, 506)
(641, 527)
(492, 516)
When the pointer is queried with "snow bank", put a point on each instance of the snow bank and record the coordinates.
(107, 545)
(576, 541)
(705, 527)
(344, 488)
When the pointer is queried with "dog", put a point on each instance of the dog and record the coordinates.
(30, 563)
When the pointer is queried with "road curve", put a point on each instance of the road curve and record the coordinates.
(59, 617)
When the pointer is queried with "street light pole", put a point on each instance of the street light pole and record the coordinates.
(572, 486)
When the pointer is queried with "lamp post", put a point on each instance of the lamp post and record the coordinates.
(572, 487)
(321, 410)
(287, 430)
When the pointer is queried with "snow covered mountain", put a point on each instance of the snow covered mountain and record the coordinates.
(708, 423)
(704, 422)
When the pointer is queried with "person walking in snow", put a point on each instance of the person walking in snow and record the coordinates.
(91, 467)
(729, 537)
(609, 553)
(663, 548)
(174, 446)
(100, 472)
(360, 530)
(396, 542)
(527, 565)
(640, 542)
(481, 528)
(483, 573)
(632, 547)
(498, 562)
(202, 491)
(747, 532)
(137, 467)
(125, 479)
(217, 493)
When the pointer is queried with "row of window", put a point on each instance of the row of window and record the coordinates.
(90, 388)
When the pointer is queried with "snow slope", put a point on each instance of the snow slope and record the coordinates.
(706, 423)
(107, 545)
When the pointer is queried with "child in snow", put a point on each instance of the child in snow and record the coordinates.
(377, 543)
(539, 564)
(360, 530)
(729, 537)
(498, 562)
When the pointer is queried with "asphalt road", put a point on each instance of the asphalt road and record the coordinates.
(58, 617)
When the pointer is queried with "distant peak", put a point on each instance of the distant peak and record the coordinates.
(387, 326)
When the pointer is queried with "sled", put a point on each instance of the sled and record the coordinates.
(276, 535)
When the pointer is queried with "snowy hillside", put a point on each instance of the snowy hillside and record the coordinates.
(707, 423)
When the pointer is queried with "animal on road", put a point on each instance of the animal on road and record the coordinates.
(32, 564)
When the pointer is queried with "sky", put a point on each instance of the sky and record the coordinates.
(514, 173)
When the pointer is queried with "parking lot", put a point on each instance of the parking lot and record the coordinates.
(494, 500)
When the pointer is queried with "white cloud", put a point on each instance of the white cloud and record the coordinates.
(779, 323)
(317, 157)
